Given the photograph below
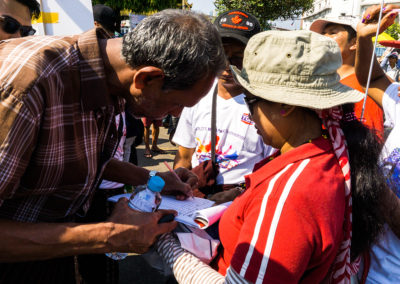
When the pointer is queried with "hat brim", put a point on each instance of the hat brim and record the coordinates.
(240, 38)
(314, 98)
(319, 25)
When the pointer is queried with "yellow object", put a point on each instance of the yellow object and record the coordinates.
(383, 36)
(47, 18)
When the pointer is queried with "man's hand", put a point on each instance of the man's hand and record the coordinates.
(134, 231)
(181, 188)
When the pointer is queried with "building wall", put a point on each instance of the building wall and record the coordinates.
(339, 8)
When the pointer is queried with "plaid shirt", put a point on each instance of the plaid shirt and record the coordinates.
(57, 128)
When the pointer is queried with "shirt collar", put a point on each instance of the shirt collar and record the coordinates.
(94, 90)
(276, 162)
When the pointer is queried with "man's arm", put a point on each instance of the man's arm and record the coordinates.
(384, 61)
(365, 31)
(183, 158)
(128, 173)
(126, 230)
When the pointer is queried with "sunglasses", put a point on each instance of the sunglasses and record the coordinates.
(250, 103)
(236, 61)
(11, 26)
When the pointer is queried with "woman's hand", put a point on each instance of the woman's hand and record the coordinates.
(369, 23)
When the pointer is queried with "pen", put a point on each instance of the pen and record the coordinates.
(172, 171)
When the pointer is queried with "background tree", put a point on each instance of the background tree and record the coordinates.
(267, 10)
(394, 31)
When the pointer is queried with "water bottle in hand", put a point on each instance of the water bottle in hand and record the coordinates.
(145, 198)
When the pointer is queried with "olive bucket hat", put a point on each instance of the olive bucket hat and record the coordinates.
(296, 68)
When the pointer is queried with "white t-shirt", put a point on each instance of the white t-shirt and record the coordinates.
(238, 145)
(385, 255)
(119, 153)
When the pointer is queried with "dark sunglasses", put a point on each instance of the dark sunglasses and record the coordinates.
(236, 61)
(250, 103)
(11, 26)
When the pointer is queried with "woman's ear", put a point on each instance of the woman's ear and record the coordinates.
(146, 76)
(286, 109)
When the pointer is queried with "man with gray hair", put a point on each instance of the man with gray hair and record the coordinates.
(58, 100)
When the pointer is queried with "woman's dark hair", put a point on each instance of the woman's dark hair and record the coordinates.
(367, 183)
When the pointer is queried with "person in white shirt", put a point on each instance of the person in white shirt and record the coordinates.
(238, 146)
(389, 65)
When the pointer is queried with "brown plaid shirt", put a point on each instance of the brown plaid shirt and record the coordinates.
(57, 126)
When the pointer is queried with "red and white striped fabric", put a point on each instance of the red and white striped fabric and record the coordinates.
(342, 268)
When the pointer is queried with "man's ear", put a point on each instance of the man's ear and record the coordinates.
(353, 44)
(147, 76)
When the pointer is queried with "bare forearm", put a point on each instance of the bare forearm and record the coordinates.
(366, 29)
(183, 158)
(125, 172)
(182, 163)
(363, 59)
(37, 241)
(379, 81)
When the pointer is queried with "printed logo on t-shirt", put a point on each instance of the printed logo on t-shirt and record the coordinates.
(227, 158)
(391, 170)
(246, 119)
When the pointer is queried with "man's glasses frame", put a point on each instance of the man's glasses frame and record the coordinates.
(11, 26)
(250, 103)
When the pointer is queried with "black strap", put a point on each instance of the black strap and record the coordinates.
(214, 123)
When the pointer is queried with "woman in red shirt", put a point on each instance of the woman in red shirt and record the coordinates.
(294, 221)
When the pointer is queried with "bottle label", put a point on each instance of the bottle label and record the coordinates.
(143, 201)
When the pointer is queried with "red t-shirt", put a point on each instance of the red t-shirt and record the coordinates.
(373, 114)
(287, 226)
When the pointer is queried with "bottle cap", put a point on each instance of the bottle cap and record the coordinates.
(155, 184)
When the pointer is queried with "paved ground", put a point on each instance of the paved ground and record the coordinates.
(157, 162)
(134, 269)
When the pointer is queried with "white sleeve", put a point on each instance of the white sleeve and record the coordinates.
(187, 268)
(268, 150)
(184, 134)
(389, 103)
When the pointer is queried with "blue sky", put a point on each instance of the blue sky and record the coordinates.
(205, 6)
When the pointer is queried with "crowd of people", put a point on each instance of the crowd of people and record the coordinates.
(274, 121)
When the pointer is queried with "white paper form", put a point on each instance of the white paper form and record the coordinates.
(209, 216)
(186, 208)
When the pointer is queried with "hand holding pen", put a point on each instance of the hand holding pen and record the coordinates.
(179, 183)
